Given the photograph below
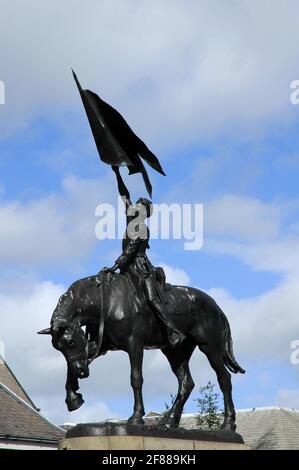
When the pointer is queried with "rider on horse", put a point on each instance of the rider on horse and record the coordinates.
(135, 262)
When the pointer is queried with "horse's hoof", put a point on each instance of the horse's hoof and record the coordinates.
(74, 403)
(171, 423)
(135, 421)
(230, 427)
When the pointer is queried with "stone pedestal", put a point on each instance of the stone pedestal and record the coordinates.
(115, 436)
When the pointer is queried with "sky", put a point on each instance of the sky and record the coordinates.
(207, 85)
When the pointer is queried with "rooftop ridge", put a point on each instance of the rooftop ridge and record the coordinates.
(246, 410)
(239, 410)
(265, 408)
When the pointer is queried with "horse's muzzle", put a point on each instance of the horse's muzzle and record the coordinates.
(81, 371)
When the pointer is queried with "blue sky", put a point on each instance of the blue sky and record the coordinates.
(208, 88)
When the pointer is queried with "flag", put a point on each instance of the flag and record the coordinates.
(117, 144)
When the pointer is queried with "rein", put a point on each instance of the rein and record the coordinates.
(73, 357)
(101, 326)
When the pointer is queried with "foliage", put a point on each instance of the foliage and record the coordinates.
(166, 412)
(209, 415)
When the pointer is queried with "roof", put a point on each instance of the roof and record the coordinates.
(19, 417)
(8, 379)
(268, 428)
(152, 414)
(271, 428)
(19, 420)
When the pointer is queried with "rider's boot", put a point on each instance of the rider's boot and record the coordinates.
(175, 336)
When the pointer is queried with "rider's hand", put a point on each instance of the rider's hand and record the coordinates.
(113, 269)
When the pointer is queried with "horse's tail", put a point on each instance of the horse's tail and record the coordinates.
(228, 357)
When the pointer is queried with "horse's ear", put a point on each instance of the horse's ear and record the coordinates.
(46, 331)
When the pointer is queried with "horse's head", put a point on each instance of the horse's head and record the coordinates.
(73, 344)
(69, 338)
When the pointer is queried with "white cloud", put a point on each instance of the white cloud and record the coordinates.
(261, 235)
(277, 256)
(56, 228)
(53, 408)
(23, 313)
(288, 398)
(243, 218)
(175, 275)
(203, 67)
(263, 327)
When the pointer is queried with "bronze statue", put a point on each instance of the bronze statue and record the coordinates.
(117, 318)
(136, 309)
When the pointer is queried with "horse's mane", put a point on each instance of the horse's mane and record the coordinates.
(66, 310)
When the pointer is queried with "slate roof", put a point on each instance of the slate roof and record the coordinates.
(269, 428)
(19, 418)
(263, 428)
(8, 379)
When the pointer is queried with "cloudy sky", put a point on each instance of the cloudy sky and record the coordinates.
(207, 85)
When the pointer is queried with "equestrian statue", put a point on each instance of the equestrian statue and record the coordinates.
(130, 307)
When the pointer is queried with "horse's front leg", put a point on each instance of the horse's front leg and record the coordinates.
(73, 400)
(136, 358)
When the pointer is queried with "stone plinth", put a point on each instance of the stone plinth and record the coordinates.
(115, 436)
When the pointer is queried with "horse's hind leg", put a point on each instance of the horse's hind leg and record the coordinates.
(224, 379)
(179, 361)
(136, 359)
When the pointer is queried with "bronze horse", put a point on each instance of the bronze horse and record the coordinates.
(117, 318)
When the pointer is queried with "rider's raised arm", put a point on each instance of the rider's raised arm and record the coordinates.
(123, 190)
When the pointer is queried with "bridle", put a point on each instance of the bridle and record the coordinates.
(72, 357)
(101, 327)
